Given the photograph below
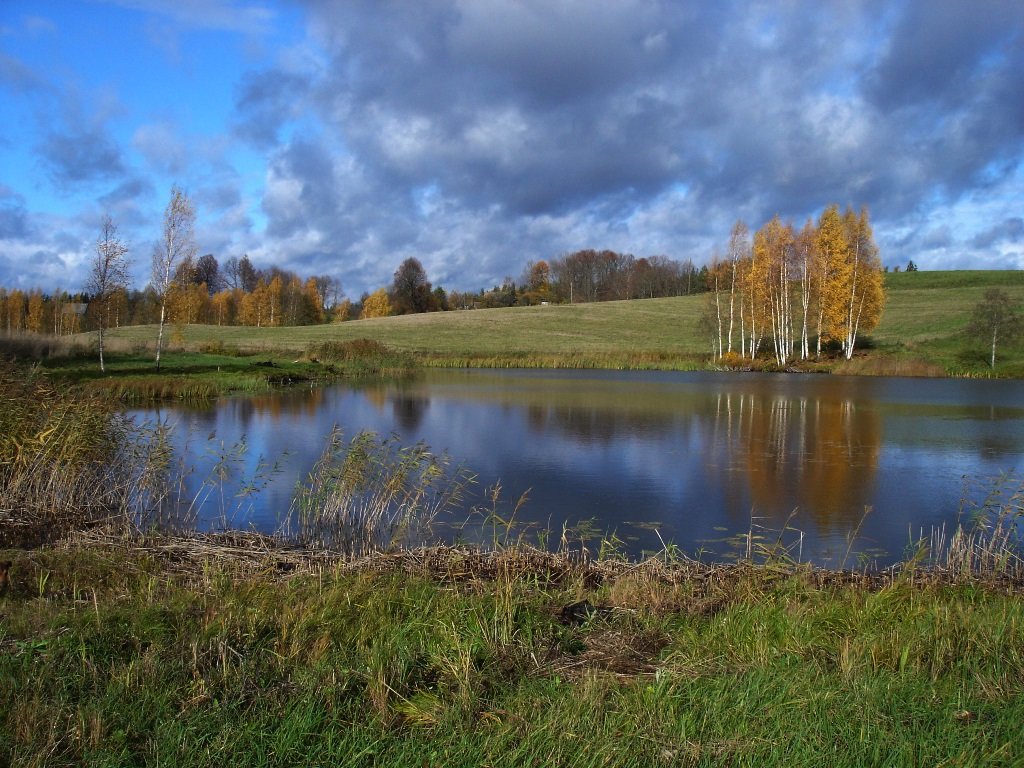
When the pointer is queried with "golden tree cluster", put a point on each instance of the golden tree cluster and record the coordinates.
(793, 292)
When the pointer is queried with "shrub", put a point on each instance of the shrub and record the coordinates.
(64, 458)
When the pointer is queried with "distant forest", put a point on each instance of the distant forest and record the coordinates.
(238, 292)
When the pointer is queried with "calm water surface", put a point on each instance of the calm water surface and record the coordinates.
(700, 456)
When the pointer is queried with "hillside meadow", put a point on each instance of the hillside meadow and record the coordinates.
(921, 332)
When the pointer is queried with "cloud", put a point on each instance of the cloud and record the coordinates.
(161, 145)
(18, 76)
(476, 135)
(13, 218)
(229, 15)
(1008, 231)
(81, 155)
(265, 101)
(524, 112)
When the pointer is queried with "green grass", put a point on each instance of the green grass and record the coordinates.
(927, 312)
(921, 332)
(613, 330)
(203, 370)
(115, 654)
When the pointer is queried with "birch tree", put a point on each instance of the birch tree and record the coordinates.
(177, 246)
(864, 294)
(739, 255)
(805, 255)
(996, 319)
(770, 279)
(831, 275)
(108, 276)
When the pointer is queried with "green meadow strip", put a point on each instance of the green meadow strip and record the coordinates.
(193, 652)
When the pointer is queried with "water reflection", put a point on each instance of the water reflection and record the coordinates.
(701, 455)
(820, 454)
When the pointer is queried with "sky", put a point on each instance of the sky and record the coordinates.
(341, 137)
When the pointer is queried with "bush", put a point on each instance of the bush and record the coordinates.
(63, 458)
(362, 357)
(346, 351)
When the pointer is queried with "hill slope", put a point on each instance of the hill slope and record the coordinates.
(924, 318)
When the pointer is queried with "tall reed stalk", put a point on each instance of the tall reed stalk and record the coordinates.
(367, 493)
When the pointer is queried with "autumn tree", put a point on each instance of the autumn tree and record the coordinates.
(864, 293)
(712, 320)
(376, 304)
(805, 253)
(207, 272)
(830, 277)
(35, 320)
(996, 318)
(738, 260)
(108, 275)
(342, 311)
(328, 288)
(770, 279)
(177, 245)
(410, 291)
(222, 305)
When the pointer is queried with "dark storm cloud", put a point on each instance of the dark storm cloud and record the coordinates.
(1009, 231)
(264, 102)
(302, 190)
(478, 135)
(131, 190)
(13, 218)
(81, 155)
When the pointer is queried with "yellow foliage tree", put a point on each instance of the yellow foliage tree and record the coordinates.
(864, 294)
(36, 319)
(770, 280)
(273, 301)
(377, 304)
(222, 305)
(315, 301)
(343, 311)
(832, 275)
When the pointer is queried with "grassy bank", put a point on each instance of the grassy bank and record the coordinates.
(192, 653)
(203, 370)
(921, 333)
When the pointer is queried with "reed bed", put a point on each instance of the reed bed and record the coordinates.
(367, 494)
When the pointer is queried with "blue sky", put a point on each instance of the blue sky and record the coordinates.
(343, 137)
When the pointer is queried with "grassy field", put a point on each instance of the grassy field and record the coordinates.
(921, 331)
(177, 653)
(927, 312)
(921, 334)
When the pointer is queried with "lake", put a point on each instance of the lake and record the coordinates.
(692, 459)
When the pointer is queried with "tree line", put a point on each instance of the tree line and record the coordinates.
(795, 293)
(791, 292)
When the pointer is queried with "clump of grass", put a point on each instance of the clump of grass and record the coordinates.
(635, 361)
(367, 494)
(988, 542)
(65, 458)
(34, 346)
(362, 357)
(890, 365)
(148, 389)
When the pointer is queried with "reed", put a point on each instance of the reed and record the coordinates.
(67, 460)
(362, 357)
(368, 494)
